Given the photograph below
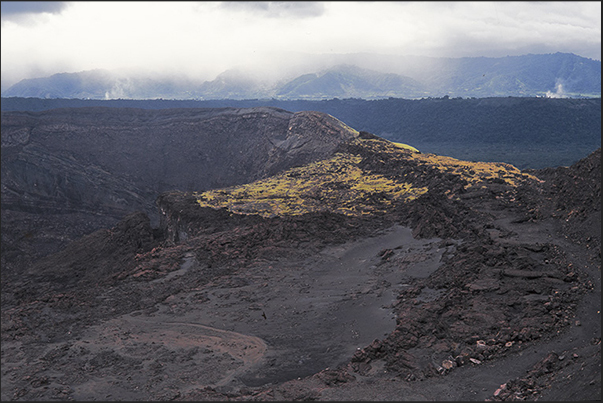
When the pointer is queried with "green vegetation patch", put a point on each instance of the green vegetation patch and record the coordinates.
(346, 184)
(405, 146)
(336, 185)
(475, 173)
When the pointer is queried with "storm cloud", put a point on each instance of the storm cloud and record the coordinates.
(15, 10)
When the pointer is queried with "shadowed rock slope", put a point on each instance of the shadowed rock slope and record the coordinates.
(78, 151)
(67, 172)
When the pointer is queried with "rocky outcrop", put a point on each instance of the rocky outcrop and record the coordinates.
(99, 257)
(574, 198)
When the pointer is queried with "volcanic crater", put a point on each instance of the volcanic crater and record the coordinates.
(315, 262)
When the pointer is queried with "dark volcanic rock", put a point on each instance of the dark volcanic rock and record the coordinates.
(496, 294)
(184, 149)
(93, 260)
(137, 311)
(89, 167)
(573, 196)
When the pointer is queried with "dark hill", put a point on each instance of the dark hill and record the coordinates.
(155, 151)
(85, 168)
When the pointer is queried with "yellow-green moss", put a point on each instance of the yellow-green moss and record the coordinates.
(336, 185)
(475, 172)
(339, 184)
(405, 146)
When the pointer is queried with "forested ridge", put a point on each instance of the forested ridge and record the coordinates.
(529, 132)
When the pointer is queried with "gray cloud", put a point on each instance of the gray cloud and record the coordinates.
(202, 39)
(16, 9)
(278, 9)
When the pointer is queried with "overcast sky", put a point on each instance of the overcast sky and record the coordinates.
(202, 39)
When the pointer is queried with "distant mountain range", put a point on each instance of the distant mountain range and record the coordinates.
(356, 76)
